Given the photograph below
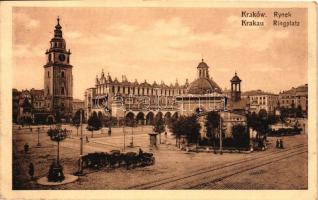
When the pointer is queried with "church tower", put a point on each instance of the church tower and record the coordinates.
(235, 88)
(203, 70)
(58, 78)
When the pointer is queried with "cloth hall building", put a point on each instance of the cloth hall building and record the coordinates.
(145, 101)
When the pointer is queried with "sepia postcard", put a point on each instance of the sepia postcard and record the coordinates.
(158, 100)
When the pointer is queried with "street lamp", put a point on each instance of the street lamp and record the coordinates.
(38, 145)
(80, 170)
(110, 120)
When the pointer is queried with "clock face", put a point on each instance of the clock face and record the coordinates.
(62, 57)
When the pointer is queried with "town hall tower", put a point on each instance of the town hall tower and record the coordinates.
(58, 78)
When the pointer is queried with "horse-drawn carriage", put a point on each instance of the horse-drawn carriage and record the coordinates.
(115, 158)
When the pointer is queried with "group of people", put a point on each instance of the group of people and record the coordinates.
(279, 144)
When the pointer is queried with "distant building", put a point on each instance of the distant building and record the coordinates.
(260, 100)
(236, 103)
(78, 105)
(295, 97)
(28, 104)
(202, 95)
(15, 104)
(141, 101)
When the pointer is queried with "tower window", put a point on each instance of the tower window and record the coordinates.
(62, 91)
(48, 74)
(62, 74)
(49, 57)
(68, 59)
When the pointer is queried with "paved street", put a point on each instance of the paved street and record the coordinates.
(174, 169)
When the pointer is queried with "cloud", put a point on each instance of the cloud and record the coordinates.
(27, 51)
(25, 20)
(73, 34)
(266, 68)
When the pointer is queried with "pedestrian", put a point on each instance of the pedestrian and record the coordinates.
(281, 144)
(26, 148)
(140, 152)
(87, 139)
(31, 171)
(277, 144)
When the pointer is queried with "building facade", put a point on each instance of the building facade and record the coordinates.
(295, 97)
(58, 78)
(260, 100)
(142, 101)
(202, 95)
(78, 105)
(28, 104)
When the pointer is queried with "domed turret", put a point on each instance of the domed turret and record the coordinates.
(235, 88)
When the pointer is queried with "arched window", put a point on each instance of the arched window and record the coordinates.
(50, 57)
(62, 74)
(48, 74)
(68, 59)
(62, 91)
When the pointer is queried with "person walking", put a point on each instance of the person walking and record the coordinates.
(26, 148)
(277, 144)
(281, 144)
(87, 139)
(31, 171)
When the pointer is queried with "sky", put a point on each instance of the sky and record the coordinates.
(161, 44)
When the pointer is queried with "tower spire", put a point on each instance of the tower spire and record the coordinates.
(58, 27)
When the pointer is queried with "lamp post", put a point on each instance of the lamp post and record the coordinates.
(220, 135)
(124, 121)
(38, 145)
(132, 134)
(80, 170)
(110, 121)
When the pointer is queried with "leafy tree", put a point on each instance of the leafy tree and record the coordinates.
(159, 126)
(192, 129)
(50, 120)
(240, 136)
(259, 123)
(299, 111)
(187, 126)
(57, 135)
(212, 124)
(77, 119)
(177, 128)
(94, 123)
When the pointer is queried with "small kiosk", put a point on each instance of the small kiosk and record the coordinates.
(153, 139)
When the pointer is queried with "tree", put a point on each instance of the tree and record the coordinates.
(57, 135)
(259, 122)
(56, 171)
(159, 127)
(187, 126)
(240, 136)
(77, 119)
(192, 129)
(299, 111)
(94, 123)
(50, 120)
(177, 128)
(212, 124)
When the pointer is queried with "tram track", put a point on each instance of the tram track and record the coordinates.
(202, 171)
